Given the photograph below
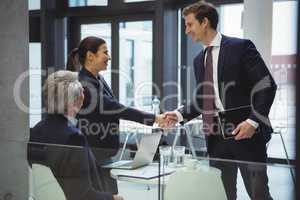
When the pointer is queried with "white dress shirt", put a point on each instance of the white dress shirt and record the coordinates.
(73, 121)
(216, 43)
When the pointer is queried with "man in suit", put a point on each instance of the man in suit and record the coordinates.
(230, 73)
(56, 142)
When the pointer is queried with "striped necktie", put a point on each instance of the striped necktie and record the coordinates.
(208, 94)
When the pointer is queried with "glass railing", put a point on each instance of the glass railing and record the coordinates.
(68, 172)
(159, 170)
(202, 177)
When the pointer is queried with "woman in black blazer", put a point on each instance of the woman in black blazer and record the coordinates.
(100, 114)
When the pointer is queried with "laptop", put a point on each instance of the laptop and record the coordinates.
(144, 155)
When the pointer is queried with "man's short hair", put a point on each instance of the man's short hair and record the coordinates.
(201, 10)
(60, 89)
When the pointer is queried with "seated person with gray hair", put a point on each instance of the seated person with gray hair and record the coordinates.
(51, 141)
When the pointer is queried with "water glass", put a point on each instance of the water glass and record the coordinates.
(179, 155)
(165, 155)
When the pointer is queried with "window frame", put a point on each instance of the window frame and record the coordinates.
(117, 11)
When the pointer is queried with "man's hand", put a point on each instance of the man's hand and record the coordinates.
(117, 197)
(171, 116)
(164, 122)
(243, 131)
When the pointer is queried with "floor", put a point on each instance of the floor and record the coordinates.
(280, 184)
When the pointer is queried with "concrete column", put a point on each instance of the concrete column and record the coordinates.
(257, 25)
(14, 123)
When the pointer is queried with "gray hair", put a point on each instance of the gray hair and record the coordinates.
(60, 89)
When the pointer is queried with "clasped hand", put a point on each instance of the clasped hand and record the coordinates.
(243, 131)
(166, 120)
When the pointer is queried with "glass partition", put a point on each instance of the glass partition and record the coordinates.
(198, 178)
(65, 170)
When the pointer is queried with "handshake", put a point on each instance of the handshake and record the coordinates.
(167, 119)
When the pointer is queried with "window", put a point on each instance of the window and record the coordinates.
(136, 64)
(102, 30)
(283, 65)
(284, 28)
(35, 83)
(231, 20)
(76, 3)
(131, 1)
(34, 4)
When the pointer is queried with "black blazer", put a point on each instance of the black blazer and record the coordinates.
(100, 114)
(243, 79)
(74, 167)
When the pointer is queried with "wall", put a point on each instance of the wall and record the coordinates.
(14, 123)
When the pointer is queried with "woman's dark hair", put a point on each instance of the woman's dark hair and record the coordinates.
(77, 56)
(73, 63)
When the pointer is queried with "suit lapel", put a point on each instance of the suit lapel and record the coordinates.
(221, 63)
(199, 67)
(222, 56)
(105, 86)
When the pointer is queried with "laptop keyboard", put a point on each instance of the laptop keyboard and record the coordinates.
(126, 164)
(118, 164)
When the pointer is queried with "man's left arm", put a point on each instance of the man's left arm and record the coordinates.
(263, 89)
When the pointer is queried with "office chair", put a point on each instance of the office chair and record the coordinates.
(278, 131)
(44, 185)
(280, 119)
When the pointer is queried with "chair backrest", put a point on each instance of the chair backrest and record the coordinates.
(195, 184)
(44, 184)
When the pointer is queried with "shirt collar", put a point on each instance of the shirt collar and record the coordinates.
(216, 42)
(71, 120)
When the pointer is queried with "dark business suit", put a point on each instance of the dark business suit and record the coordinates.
(105, 112)
(74, 167)
(99, 119)
(241, 70)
